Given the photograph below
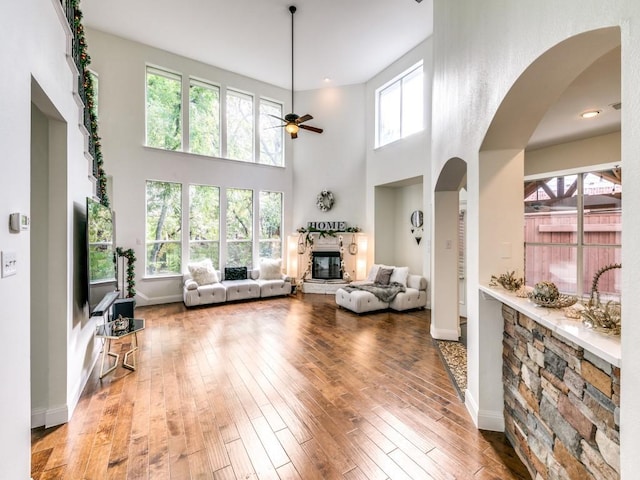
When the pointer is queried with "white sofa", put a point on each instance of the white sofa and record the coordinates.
(252, 287)
(360, 301)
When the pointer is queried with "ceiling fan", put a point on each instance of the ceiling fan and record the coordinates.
(293, 122)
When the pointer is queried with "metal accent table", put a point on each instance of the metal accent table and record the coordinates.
(106, 331)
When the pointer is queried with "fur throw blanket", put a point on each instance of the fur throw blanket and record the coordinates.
(384, 293)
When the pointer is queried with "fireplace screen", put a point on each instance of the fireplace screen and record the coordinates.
(326, 266)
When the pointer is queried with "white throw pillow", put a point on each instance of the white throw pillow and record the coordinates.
(400, 275)
(373, 273)
(270, 268)
(203, 272)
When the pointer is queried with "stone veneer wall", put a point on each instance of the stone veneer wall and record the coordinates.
(562, 403)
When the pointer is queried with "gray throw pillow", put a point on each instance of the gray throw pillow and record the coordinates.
(384, 275)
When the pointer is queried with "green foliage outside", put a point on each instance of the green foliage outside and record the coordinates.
(270, 224)
(204, 223)
(239, 227)
(204, 119)
(164, 103)
(239, 126)
(271, 134)
(100, 243)
(163, 228)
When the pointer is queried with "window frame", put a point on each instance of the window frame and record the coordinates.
(397, 81)
(167, 73)
(580, 245)
(179, 242)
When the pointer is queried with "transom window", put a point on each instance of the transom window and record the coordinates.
(573, 228)
(400, 106)
(164, 109)
(204, 118)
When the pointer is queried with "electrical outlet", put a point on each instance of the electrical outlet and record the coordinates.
(9, 263)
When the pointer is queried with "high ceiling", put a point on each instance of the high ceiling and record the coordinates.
(348, 42)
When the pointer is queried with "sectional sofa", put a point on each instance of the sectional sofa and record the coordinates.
(358, 299)
(203, 286)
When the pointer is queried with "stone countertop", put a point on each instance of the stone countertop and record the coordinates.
(604, 346)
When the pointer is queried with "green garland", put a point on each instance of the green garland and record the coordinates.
(89, 99)
(308, 239)
(130, 255)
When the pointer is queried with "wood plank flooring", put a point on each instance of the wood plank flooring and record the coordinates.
(285, 388)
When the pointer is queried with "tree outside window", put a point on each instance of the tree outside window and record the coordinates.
(239, 126)
(204, 223)
(239, 228)
(271, 134)
(270, 225)
(204, 118)
(164, 109)
(163, 228)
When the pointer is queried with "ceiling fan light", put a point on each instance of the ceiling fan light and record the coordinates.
(291, 128)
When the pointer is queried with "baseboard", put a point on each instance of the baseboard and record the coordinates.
(143, 300)
(444, 334)
(56, 416)
(483, 419)
(38, 416)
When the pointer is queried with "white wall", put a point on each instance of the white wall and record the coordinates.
(120, 65)
(481, 49)
(399, 161)
(333, 160)
(35, 46)
(580, 153)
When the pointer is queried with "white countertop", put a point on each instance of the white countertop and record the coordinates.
(604, 346)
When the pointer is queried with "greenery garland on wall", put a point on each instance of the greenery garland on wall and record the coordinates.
(130, 255)
(89, 99)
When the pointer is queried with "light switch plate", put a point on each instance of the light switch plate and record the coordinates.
(9, 264)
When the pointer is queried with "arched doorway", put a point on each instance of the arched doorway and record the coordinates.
(445, 293)
(499, 210)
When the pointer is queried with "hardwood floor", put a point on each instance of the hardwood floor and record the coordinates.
(280, 388)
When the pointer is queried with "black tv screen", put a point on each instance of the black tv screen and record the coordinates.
(101, 264)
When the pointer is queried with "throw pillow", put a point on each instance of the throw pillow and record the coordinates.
(235, 273)
(384, 276)
(203, 272)
(371, 277)
(270, 268)
(400, 275)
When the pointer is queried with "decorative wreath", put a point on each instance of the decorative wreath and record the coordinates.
(325, 200)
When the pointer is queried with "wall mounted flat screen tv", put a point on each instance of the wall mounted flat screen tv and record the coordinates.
(101, 240)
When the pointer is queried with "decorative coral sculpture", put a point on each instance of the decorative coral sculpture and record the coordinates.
(508, 281)
(605, 318)
(545, 292)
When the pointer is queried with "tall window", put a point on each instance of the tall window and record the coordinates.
(572, 229)
(164, 109)
(239, 228)
(270, 225)
(163, 228)
(204, 118)
(400, 106)
(204, 223)
(271, 133)
(239, 126)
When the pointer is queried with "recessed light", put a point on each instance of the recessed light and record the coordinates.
(327, 79)
(590, 114)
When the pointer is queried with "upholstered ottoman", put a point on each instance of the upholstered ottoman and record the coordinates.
(359, 301)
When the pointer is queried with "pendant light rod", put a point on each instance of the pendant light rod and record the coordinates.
(292, 9)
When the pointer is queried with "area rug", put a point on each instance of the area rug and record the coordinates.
(454, 357)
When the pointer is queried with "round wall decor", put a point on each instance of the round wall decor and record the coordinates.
(324, 200)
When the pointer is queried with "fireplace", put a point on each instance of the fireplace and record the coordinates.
(326, 266)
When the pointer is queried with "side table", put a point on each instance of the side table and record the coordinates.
(106, 332)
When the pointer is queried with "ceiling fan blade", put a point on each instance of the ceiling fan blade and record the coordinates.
(278, 118)
(304, 118)
(310, 128)
(294, 135)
